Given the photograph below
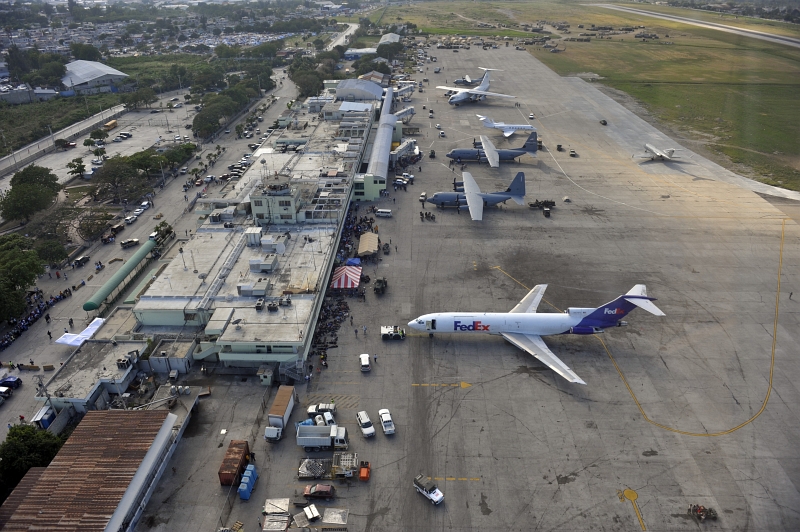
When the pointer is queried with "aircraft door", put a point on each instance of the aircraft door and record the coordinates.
(430, 325)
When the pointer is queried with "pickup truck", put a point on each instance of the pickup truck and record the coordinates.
(427, 487)
(386, 421)
(316, 410)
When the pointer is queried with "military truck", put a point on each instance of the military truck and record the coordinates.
(380, 285)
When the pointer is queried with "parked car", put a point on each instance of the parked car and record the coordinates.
(145, 205)
(184, 170)
(138, 212)
(362, 418)
(427, 487)
(188, 126)
(198, 183)
(530, 116)
(129, 243)
(97, 161)
(319, 491)
(175, 99)
(12, 381)
(130, 219)
(80, 261)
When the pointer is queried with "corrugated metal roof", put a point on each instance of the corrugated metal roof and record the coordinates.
(81, 71)
(85, 482)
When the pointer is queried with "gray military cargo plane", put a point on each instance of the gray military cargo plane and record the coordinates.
(488, 153)
(471, 197)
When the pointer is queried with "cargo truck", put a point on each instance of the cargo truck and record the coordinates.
(314, 438)
(279, 414)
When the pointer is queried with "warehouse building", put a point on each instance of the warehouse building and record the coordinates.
(92, 77)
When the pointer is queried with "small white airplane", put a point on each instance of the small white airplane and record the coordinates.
(507, 129)
(524, 328)
(463, 95)
(654, 153)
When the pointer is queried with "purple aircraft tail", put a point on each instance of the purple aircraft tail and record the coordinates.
(611, 313)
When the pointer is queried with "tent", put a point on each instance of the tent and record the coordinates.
(353, 262)
(367, 244)
(76, 340)
(346, 277)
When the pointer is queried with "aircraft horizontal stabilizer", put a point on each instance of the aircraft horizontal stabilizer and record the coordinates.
(535, 346)
(645, 304)
(531, 301)
(508, 132)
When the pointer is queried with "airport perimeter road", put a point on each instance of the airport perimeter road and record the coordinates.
(516, 447)
(764, 36)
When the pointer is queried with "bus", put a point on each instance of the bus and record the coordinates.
(108, 126)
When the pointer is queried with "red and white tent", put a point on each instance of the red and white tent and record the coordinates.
(346, 277)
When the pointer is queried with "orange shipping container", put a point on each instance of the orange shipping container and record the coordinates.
(234, 463)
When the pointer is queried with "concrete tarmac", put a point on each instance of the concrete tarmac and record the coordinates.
(698, 407)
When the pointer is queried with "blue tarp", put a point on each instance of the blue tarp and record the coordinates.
(353, 262)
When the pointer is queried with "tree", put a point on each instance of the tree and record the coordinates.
(119, 179)
(50, 251)
(99, 134)
(76, 167)
(19, 267)
(89, 143)
(25, 447)
(87, 52)
(32, 189)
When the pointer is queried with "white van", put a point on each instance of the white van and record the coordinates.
(384, 213)
(154, 235)
(365, 362)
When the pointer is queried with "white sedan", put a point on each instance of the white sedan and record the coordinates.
(138, 212)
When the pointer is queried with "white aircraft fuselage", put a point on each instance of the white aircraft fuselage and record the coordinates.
(540, 324)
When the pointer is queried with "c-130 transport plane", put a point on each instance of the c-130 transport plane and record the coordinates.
(524, 327)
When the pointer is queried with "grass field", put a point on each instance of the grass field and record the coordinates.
(22, 124)
(736, 95)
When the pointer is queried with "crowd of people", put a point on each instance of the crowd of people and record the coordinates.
(37, 309)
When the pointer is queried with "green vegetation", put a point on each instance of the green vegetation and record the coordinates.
(19, 267)
(25, 447)
(23, 124)
(735, 94)
(33, 189)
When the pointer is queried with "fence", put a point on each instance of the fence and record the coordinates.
(34, 150)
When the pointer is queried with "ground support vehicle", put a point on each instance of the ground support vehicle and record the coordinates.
(428, 488)
(392, 332)
(541, 204)
(364, 471)
(701, 513)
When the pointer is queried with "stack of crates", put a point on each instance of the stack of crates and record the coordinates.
(248, 482)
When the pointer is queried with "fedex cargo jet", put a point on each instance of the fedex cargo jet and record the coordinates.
(524, 327)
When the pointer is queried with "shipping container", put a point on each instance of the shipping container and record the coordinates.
(234, 463)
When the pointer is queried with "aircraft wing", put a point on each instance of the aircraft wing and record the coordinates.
(482, 93)
(473, 195)
(454, 89)
(507, 132)
(531, 301)
(490, 151)
(534, 345)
